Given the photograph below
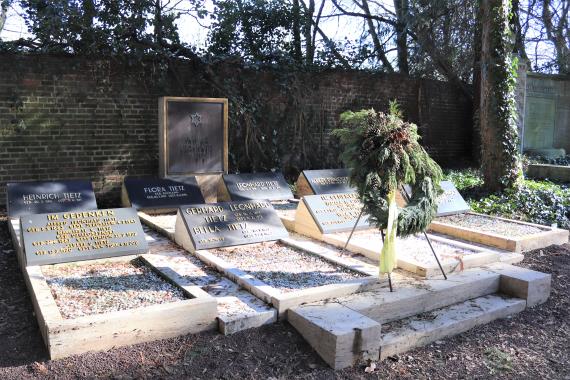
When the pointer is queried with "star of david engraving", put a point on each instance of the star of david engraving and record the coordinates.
(196, 119)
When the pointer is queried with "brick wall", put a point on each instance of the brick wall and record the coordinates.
(63, 118)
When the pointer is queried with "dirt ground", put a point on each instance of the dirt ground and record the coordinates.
(534, 344)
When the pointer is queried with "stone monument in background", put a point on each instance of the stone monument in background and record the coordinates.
(193, 140)
(544, 105)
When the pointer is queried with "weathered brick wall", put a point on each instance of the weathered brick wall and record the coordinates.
(63, 118)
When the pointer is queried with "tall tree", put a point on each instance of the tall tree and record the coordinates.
(402, 19)
(499, 135)
(557, 24)
(3, 13)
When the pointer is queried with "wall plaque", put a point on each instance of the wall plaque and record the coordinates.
(327, 181)
(270, 186)
(24, 198)
(82, 235)
(226, 224)
(336, 212)
(159, 193)
(193, 136)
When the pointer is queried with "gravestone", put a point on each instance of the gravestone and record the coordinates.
(81, 235)
(160, 194)
(326, 181)
(226, 224)
(193, 140)
(248, 186)
(546, 122)
(450, 202)
(335, 212)
(24, 198)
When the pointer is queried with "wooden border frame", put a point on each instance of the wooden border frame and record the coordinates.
(305, 225)
(163, 137)
(514, 244)
(284, 301)
(100, 332)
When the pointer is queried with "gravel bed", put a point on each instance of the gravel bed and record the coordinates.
(283, 267)
(490, 224)
(415, 247)
(166, 221)
(89, 289)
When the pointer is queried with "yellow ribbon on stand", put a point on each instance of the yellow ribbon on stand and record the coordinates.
(388, 255)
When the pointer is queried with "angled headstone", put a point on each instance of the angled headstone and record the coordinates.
(160, 194)
(225, 224)
(249, 186)
(81, 235)
(24, 198)
(326, 181)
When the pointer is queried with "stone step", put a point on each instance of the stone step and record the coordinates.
(420, 330)
(413, 296)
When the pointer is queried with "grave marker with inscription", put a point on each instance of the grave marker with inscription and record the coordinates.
(248, 186)
(160, 194)
(326, 181)
(450, 202)
(335, 212)
(82, 235)
(193, 140)
(225, 224)
(25, 198)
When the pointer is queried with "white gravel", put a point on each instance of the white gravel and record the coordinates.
(87, 289)
(489, 224)
(283, 267)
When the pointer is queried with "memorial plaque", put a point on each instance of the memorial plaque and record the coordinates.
(24, 198)
(82, 235)
(158, 193)
(226, 224)
(270, 186)
(336, 212)
(450, 201)
(193, 136)
(539, 123)
(329, 181)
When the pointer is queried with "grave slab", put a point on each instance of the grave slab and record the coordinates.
(25, 198)
(83, 235)
(159, 195)
(270, 186)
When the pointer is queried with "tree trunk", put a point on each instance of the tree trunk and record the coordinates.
(555, 34)
(380, 54)
(499, 135)
(3, 14)
(307, 31)
(158, 23)
(297, 52)
(402, 14)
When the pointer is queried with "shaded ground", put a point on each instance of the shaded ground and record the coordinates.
(534, 344)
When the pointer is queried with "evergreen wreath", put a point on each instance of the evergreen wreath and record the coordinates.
(384, 154)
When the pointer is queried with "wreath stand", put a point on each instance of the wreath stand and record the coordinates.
(407, 197)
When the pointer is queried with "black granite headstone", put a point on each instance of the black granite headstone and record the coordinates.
(82, 235)
(24, 198)
(336, 212)
(158, 193)
(246, 186)
(329, 181)
(226, 224)
(195, 137)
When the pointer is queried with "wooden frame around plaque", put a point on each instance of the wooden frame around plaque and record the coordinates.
(164, 171)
